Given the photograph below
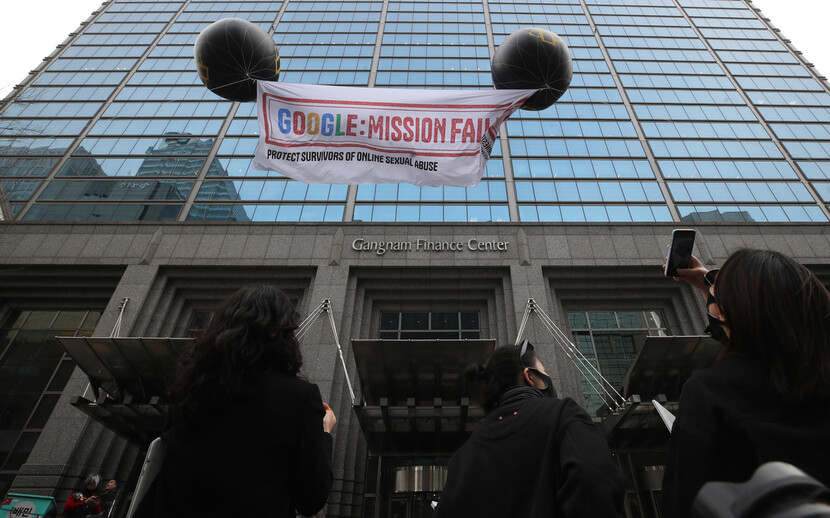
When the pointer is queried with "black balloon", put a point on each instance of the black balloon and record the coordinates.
(533, 58)
(232, 54)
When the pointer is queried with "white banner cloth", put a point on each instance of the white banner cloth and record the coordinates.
(350, 135)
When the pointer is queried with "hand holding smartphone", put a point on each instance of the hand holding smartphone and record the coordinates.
(680, 251)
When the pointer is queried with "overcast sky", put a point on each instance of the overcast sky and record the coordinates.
(30, 30)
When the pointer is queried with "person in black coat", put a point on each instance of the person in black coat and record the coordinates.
(107, 499)
(768, 397)
(534, 455)
(249, 438)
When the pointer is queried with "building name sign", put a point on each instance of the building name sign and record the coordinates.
(425, 245)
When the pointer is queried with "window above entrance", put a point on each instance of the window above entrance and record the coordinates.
(414, 325)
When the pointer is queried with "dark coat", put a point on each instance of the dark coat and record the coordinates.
(264, 455)
(533, 457)
(730, 421)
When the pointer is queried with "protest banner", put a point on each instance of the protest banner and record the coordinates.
(350, 135)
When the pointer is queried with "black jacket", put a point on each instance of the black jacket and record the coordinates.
(264, 455)
(533, 457)
(730, 421)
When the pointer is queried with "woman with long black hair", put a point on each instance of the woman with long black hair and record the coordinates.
(249, 437)
(768, 397)
(534, 455)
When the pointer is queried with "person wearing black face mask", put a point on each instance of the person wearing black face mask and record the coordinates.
(535, 376)
(768, 396)
(716, 327)
(534, 455)
(698, 276)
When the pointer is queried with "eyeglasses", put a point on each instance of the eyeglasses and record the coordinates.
(709, 277)
(526, 346)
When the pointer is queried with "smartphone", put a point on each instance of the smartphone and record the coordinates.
(680, 252)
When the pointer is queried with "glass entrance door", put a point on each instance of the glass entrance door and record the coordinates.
(413, 505)
(403, 487)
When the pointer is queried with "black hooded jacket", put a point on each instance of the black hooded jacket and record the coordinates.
(533, 457)
(264, 454)
(730, 421)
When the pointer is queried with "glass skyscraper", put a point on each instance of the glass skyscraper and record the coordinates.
(123, 177)
(684, 110)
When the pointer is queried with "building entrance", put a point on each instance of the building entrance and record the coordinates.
(415, 410)
(403, 487)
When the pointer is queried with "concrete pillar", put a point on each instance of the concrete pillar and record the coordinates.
(322, 365)
(72, 445)
(529, 282)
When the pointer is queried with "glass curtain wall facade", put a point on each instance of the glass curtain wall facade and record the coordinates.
(679, 110)
(34, 370)
(610, 341)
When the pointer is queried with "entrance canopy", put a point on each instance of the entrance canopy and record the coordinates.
(128, 378)
(415, 398)
(661, 368)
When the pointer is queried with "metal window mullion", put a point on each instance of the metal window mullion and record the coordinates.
(25, 426)
(220, 137)
(351, 192)
(12, 331)
(506, 157)
(790, 160)
(95, 118)
(200, 178)
(596, 354)
(373, 72)
(655, 167)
